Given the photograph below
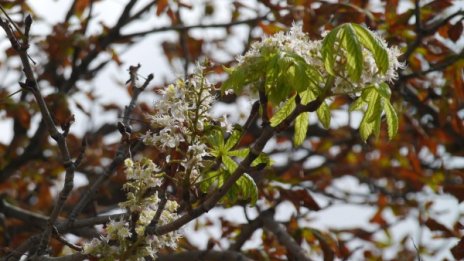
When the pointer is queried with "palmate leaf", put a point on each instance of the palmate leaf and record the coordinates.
(352, 38)
(377, 99)
(244, 188)
(233, 138)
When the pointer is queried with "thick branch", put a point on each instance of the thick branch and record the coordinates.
(207, 255)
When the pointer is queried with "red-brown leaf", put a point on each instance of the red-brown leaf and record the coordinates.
(161, 6)
(455, 31)
(458, 250)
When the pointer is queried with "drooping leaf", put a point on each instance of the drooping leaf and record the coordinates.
(328, 51)
(373, 105)
(248, 188)
(357, 104)
(392, 119)
(354, 56)
(323, 113)
(384, 90)
(301, 127)
(365, 128)
(373, 44)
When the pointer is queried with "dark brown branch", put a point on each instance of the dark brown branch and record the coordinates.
(206, 255)
(121, 155)
(419, 32)
(266, 134)
(284, 238)
(103, 43)
(32, 85)
(247, 231)
(439, 66)
(198, 26)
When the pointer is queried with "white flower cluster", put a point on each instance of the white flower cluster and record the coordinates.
(120, 242)
(181, 114)
(296, 41)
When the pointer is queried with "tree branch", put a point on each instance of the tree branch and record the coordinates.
(32, 85)
(206, 255)
(198, 26)
(284, 238)
(266, 134)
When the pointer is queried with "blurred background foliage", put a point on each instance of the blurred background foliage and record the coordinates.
(399, 181)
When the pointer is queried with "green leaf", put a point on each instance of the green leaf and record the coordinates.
(216, 139)
(307, 96)
(358, 104)
(283, 112)
(211, 180)
(371, 42)
(354, 55)
(241, 153)
(392, 119)
(263, 158)
(230, 164)
(233, 138)
(323, 113)
(384, 90)
(301, 127)
(376, 126)
(328, 51)
(365, 128)
(248, 188)
(374, 109)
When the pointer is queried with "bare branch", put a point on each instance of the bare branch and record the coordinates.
(206, 255)
(198, 26)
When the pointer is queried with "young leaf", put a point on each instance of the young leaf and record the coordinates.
(216, 139)
(371, 42)
(365, 128)
(354, 54)
(301, 127)
(323, 113)
(374, 109)
(392, 119)
(358, 104)
(230, 164)
(233, 139)
(248, 188)
(328, 51)
(263, 158)
(283, 112)
(384, 90)
(241, 153)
